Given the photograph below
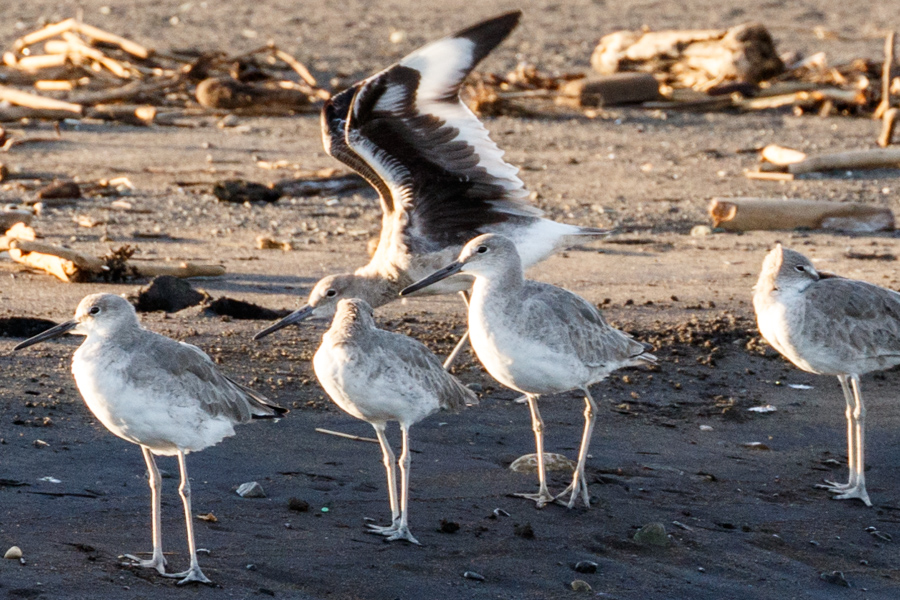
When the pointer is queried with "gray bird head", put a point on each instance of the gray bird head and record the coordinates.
(488, 255)
(323, 300)
(98, 314)
(786, 270)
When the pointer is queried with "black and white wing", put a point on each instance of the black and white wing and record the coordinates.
(435, 159)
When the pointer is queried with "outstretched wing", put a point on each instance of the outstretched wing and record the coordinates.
(433, 156)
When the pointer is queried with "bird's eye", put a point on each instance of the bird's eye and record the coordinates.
(481, 249)
(801, 268)
(95, 310)
(331, 293)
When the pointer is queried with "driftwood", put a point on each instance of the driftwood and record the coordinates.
(747, 214)
(876, 158)
(698, 59)
(27, 100)
(886, 77)
(75, 25)
(781, 156)
(133, 115)
(889, 121)
(609, 90)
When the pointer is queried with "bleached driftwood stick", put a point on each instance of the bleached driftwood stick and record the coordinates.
(779, 155)
(889, 121)
(852, 159)
(20, 98)
(747, 214)
(349, 436)
(886, 77)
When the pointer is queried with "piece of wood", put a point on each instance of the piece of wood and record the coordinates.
(779, 155)
(76, 49)
(129, 91)
(875, 158)
(889, 121)
(250, 98)
(886, 76)
(54, 85)
(748, 214)
(127, 45)
(296, 65)
(41, 61)
(182, 270)
(45, 33)
(133, 115)
(79, 259)
(609, 90)
(768, 176)
(357, 438)
(14, 96)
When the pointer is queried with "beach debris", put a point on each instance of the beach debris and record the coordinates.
(208, 517)
(240, 191)
(747, 214)
(889, 123)
(238, 309)
(447, 526)
(580, 585)
(23, 327)
(763, 409)
(72, 266)
(698, 59)
(552, 462)
(168, 294)
(609, 90)
(780, 159)
(755, 446)
(264, 242)
(73, 70)
(652, 534)
(14, 553)
(11, 216)
(835, 578)
(60, 190)
(357, 438)
(251, 489)
(473, 576)
(586, 566)
(321, 185)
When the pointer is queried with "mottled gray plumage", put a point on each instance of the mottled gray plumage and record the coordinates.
(166, 396)
(537, 338)
(830, 325)
(379, 376)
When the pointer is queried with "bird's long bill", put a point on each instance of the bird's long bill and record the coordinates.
(294, 317)
(444, 273)
(53, 332)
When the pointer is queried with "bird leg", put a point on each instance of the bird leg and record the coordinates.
(579, 483)
(859, 425)
(543, 497)
(157, 561)
(194, 574)
(402, 532)
(850, 400)
(388, 459)
(462, 341)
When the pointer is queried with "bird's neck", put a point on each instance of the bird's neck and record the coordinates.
(506, 284)
(377, 287)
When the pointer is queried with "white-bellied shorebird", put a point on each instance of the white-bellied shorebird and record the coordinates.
(379, 376)
(830, 325)
(440, 177)
(538, 339)
(166, 396)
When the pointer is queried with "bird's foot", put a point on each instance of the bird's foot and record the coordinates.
(402, 533)
(158, 562)
(833, 486)
(193, 575)
(573, 494)
(858, 493)
(541, 499)
(380, 530)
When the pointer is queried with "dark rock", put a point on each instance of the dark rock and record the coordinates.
(240, 191)
(835, 577)
(169, 294)
(585, 566)
(238, 309)
(60, 189)
(524, 531)
(298, 505)
(23, 327)
(652, 534)
(448, 526)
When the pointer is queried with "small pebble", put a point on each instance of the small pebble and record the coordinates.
(836, 578)
(298, 505)
(473, 576)
(251, 489)
(581, 586)
(586, 566)
(701, 231)
(448, 526)
(14, 553)
(652, 534)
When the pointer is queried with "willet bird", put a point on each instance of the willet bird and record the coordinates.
(830, 325)
(538, 339)
(379, 376)
(440, 177)
(166, 396)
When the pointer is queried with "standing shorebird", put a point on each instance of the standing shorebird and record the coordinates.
(166, 396)
(538, 339)
(830, 325)
(440, 177)
(379, 376)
